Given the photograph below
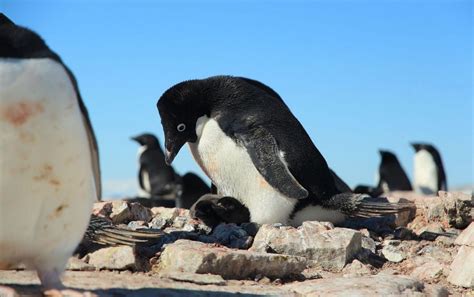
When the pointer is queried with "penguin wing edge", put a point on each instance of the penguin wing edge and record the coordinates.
(269, 161)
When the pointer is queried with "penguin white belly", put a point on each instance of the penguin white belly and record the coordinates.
(230, 167)
(425, 173)
(46, 181)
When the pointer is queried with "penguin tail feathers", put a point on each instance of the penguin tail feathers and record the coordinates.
(103, 232)
(365, 206)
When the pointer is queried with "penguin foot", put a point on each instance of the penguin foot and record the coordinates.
(215, 209)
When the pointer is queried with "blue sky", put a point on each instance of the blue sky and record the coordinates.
(359, 75)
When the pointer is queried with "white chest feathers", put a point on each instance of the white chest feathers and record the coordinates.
(145, 190)
(230, 167)
(45, 165)
(425, 173)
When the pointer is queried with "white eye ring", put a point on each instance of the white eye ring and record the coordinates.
(181, 127)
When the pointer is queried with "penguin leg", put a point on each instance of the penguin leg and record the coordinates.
(50, 267)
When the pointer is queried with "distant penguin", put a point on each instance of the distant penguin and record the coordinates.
(254, 150)
(48, 156)
(428, 170)
(156, 179)
(392, 177)
(193, 188)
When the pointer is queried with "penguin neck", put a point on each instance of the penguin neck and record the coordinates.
(141, 150)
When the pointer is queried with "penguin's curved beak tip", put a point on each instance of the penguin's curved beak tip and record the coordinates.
(169, 157)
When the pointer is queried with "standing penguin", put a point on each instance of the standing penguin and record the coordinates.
(392, 177)
(253, 149)
(428, 170)
(48, 156)
(156, 179)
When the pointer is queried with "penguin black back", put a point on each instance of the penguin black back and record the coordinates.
(241, 104)
(391, 174)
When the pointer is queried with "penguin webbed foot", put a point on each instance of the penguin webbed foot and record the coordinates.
(214, 209)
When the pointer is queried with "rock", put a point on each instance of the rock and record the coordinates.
(376, 285)
(466, 237)
(103, 208)
(356, 268)
(79, 265)
(113, 258)
(428, 271)
(392, 251)
(312, 273)
(197, 257)
(231, 236)
(368, 243)
(168, 214)
(8, 292)
(195, 278)
(435, 291)
(120, 212)
(458, 208)
(462, 268)
(329, 248)
(139, 213)
(135, 225)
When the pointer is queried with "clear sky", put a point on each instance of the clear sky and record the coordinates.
(359, 75)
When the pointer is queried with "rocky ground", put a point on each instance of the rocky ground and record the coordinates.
(424, 252)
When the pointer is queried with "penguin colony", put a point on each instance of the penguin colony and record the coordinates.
(263, 165)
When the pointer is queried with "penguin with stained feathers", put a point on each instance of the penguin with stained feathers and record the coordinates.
(428, 171)
(254, 150)
(48, 156)
(156, 179)
(391, 177)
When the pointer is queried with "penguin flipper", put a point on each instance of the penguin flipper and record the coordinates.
(269, 161)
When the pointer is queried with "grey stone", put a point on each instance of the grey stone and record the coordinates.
(369, 243)
(231, 236)
(462, 268)
(392, 251)
(195, 278)
(376, 285)
(113, 258)
(197, 257)
(466, 237)
(78, 265)
(120, 212)
(356, 268)
(458, 208)
(329, 248)
(428, 271)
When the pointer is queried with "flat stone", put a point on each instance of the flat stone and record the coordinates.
(113, 258)
(462, 268)
(376, 285)
(330, 248)
(197, 257)
(466, 237)
(78, 265)
(195, 278)
(139, 213)
(369, 243)
(428, 271)
(458, 208)
(392, 251)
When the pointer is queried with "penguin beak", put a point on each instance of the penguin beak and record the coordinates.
(169, 157)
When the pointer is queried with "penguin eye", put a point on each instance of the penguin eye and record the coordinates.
(181, 127)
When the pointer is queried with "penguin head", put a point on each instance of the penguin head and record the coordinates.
(180, 107)
(418, 146)
(20, 42)
(387, 156)
(147, 139)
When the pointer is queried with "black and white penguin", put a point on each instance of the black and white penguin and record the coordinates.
(253, 149)
(428, 171)
(156, 179)
(391, 175)
(48, 156)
